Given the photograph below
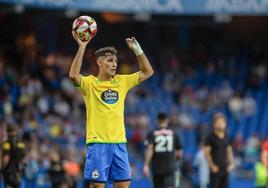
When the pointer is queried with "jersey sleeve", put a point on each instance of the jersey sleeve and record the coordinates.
(84, 87)
(149, 139)
(131, 80)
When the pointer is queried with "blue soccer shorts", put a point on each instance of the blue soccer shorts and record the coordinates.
(107, 162)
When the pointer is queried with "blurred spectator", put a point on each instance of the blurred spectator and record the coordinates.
(264, 153)
(187, 172)
(249, 106)
(239, 149)
(202, 166)
(260, 70)
(225, 91)
(32, 170)
(61, 107)
(239, 144)
(252, 148)
(186, 120)
(12, 159)
(236, 105)
(72, 168)
(56, 171)
(219, 152)
(260, 175)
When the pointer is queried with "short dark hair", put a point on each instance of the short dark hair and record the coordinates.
(162, 116)
(109, 50)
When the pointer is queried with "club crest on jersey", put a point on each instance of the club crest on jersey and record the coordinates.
(95, 174)
(110, 96)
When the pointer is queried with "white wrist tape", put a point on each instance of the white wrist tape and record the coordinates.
(137, 49)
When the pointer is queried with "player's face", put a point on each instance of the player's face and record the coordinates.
(220, 124)
(108, 64)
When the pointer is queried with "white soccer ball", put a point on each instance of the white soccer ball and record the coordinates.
(85, 27)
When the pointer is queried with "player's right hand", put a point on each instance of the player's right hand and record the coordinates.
(146, 170)
(215, 169)
(77, 39)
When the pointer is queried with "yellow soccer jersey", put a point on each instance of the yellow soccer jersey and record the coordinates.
(104, 101)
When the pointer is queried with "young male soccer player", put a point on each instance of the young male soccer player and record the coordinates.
(163, 150)
(104, 97)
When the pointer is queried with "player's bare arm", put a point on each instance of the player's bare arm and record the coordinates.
(179, 154)
(230, 158)
(148, 157)
(74, 73)
(146, 70)
(214, 168)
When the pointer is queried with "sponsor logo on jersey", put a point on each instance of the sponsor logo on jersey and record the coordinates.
(110, 96)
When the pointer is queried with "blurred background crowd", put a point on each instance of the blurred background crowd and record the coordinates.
(201, 67)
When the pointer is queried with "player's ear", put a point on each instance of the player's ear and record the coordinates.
(99, 62)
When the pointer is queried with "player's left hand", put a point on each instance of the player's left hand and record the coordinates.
(134, 45)
(146, 170)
